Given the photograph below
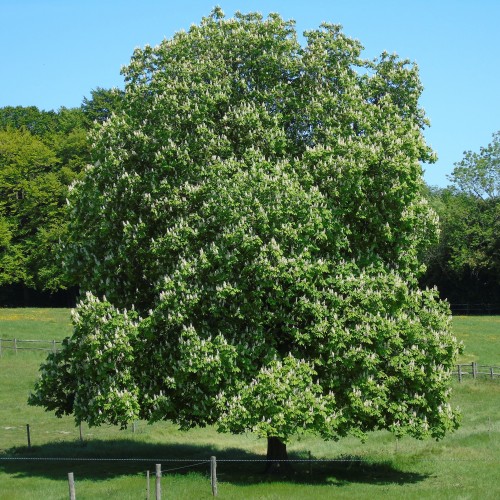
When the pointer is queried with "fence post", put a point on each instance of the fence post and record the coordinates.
(15, 346)
(459, 373)
(491, 372)
(474, 369)
(147, 485)
(213, 475)
(71, 481)
(28, 434)
(158, 481)
(53, 346)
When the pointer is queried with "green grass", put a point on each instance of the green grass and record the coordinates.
(466, 464)
(34, 323)
(481, 337)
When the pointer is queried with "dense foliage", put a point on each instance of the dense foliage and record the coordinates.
(101, 104)
(466, 261)
(41, 154)
(254, 219)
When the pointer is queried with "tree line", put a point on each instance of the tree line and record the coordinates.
(43, 152)
(465, 263)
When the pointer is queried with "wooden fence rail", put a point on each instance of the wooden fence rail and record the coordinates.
(32, 345)
(475, 370)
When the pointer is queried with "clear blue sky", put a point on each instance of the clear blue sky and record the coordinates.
(53, 52)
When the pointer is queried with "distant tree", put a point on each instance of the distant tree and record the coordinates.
(64, 131)
(11, 258)
(478, 174)
(35, 173)
(466, 262)
(254, 218)
(101, 105)
(477, 237)
(69, 141)
(39, 123)
(25, 162)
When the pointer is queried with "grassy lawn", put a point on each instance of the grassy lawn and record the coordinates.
(465, 464)
(481, 336)
(35, 324)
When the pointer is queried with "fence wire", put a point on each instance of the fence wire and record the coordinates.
(247, 460)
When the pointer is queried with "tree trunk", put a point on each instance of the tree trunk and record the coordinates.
(277, 457)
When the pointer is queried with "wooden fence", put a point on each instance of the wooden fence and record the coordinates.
(475, 370)
(29, 345)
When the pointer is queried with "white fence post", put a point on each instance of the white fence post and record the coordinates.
(213, 475)
(71, 481)
(158, 481)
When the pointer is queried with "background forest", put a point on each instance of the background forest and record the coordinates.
(43, 152)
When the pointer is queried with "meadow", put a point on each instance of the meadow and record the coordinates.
(466, 464)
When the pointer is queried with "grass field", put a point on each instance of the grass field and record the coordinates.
(481, 336)
(465, 464)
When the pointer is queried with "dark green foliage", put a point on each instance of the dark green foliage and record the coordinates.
(41, 153)
(101, 105)
(259, 204)
(466, 263)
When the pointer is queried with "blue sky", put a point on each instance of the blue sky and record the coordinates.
(53, 52)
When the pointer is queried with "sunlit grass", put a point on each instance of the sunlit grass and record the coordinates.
(481, 337)
(35, 323)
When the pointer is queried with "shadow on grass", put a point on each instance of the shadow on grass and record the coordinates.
(54, 461)
(340, 471)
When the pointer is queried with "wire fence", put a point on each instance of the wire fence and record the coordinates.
(163, 467)
(29, 345)
(468, 309)
(358, 459)
(78, 452)
(140, 466)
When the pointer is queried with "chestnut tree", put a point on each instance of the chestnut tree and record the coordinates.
(248, 239)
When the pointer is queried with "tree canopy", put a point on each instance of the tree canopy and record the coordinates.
(29, 192)
(466, 262)
(248, 238)
(478, 174)
(101, 104)
(41, 153)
